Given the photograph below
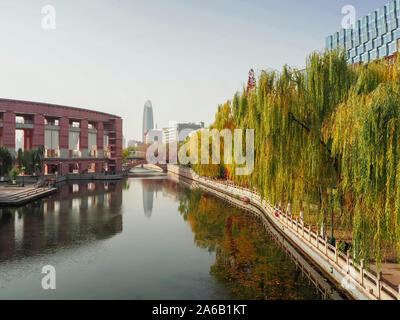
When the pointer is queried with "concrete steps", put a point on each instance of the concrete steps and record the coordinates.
(14, 196)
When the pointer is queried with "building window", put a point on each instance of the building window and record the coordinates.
(106, 147)
(382, 52)
(392, 48)
(92, 169)
(387, 38)
(373, 55)
(51, 144)
(92, 145)
(19, 119)
(396, 34)
(51, 122)
(74, 145)
(365, 57)
(392, 26)
(74, 124)
(372, 33)
(377, 42)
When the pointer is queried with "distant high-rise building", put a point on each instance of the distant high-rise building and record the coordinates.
(178, 132)
(148, 122)
(134, 143)
(153, 136)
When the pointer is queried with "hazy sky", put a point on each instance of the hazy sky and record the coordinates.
(185, 56)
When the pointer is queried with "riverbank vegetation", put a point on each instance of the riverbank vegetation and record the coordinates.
(31, 161)
(6, 161)
(327, 137)
(27, 162)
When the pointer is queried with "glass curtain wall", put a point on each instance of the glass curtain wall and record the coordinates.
(373, 37)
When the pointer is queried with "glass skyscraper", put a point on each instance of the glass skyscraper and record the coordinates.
(148, 122)
(374, 36)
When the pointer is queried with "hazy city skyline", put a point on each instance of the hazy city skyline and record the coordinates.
(148, 119)
(185, 56)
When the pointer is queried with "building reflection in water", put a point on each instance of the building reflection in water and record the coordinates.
(79, 213)
(150, 188)
(148, 198)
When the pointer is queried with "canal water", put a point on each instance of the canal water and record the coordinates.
(142, 238)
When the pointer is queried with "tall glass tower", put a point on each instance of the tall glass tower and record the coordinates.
(148, 122)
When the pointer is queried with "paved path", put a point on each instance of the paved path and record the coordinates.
(390, 272)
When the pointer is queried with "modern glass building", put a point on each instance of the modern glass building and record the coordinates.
(148, 122)
(374, 36)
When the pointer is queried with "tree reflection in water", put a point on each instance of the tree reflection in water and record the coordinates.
(248, 260)
(66, 227)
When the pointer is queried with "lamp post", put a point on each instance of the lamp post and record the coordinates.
(23, 175)
(332, 239)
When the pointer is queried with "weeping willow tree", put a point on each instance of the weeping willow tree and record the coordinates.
(223, 120)
(330, 129)
(365, 137)
(6, 161)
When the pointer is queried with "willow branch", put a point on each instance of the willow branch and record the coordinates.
(291, 116)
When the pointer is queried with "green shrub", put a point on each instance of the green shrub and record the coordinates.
(13, 173)
(6, 161)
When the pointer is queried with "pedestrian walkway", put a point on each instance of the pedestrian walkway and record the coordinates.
(15, 196)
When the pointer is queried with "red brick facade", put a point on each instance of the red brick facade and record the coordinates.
(34, 125)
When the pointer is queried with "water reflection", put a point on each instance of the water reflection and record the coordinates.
(98, 255)
(248, 261)
(78, 213)
(149, 189)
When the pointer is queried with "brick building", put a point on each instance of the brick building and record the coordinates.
(76, 140)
